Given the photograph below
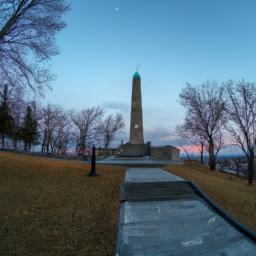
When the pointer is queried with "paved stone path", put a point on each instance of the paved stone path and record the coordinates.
(172, 225)
(149, 175)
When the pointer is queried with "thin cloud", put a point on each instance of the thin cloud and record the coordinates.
(116, 106)
(161, 136)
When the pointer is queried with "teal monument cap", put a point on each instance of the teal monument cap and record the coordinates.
(136, 75)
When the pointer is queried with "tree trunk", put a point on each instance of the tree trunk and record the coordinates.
(15, 142)
(251, 167)
(106, 148)
(189, 159)
(48, 140)
(43, 143)
(47, 148)
(212, 160)
(53, 150)
(202, 154)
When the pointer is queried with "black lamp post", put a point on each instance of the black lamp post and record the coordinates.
(93, 173)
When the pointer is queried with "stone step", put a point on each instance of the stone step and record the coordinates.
(156, 191)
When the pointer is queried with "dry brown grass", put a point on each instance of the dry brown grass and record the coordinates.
(49, 207)
(231, 193)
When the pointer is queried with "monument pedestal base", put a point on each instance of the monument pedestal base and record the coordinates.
(133, 150)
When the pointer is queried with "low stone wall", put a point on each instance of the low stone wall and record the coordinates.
(165, 153)
(105, 152)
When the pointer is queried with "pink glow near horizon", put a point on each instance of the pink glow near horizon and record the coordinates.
(190, 148)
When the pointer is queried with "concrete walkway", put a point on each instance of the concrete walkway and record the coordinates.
(149, 175)
(160, 215)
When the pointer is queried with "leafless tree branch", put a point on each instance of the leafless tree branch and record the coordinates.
(27, 40)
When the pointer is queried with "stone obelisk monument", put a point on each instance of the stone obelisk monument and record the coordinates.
(136, 123)
(136, 148)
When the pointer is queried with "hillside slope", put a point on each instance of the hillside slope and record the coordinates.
(49, 207)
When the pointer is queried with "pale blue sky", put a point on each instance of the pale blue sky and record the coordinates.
(173, 41)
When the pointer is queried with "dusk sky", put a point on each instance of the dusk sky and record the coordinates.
(173, 42)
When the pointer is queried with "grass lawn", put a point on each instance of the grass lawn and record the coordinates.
(49, 207)
(231, 193)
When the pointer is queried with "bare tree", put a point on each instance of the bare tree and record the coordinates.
(109, 127)
(195, 139)
(27, 40)
(47, 126)
(86, 122)
(239, 163)
(186, 140)
(62, 134)
(219, 142)
(205, 115)
(241, 109)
